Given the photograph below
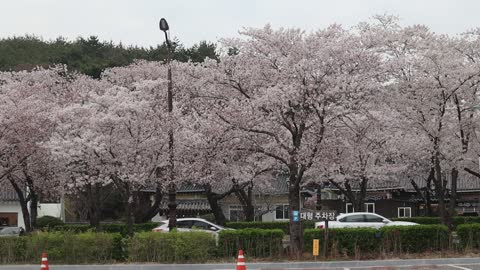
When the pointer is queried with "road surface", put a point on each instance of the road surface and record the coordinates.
(417, 264)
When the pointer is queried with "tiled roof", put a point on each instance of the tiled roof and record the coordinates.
(275, 185)
(465, 182)
(7, 194)
(198, 205)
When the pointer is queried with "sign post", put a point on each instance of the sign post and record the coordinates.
(319, 215)
(316, 247)
(325, 240)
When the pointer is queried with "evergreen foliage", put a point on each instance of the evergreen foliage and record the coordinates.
(89, 55)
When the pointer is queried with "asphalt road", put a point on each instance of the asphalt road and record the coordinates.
(417, 264)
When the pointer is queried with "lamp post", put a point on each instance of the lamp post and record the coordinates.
(172, 193)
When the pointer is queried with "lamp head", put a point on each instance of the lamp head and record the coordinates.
(163, 25)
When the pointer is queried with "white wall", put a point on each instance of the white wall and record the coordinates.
(270, 216)
(50, 209)
(13, 207)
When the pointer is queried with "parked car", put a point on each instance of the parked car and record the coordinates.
(361, 219)
(11, 231)
(191, 224)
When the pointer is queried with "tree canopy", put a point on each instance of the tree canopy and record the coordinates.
(90, 55)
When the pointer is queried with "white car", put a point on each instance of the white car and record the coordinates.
(363, 220)
(191, 224)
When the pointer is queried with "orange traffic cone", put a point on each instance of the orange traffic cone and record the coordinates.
(241, 261)
(44, 265)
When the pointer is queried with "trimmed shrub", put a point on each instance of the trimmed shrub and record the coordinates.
(74, 248)
(356, 241)
(61, 247)
(254, 242)
(345, 241)
(457, 220)
(12, 249)
(420, 220)
(469, 235)
(184, 247)
(145, 227)
(414, 239)
(108, 228)
(74, 228)
(47, 222)
(280, 225)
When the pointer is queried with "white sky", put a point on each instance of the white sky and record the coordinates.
(136, 22)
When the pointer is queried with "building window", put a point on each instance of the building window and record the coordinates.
(370, 207)
(4, 222)
(404, 212)
(281, 211)
(349, 208)
(236, 213)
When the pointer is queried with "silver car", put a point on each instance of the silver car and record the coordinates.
(191, 224)
(11, 231)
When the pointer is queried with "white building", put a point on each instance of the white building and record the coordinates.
(11, 211)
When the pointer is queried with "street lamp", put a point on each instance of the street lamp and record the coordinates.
(172, 193)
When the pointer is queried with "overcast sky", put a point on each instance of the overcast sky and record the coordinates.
(136, 22)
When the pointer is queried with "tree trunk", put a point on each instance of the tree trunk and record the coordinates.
(213, 199)
(129, 212)
(428, 197)
(172, 207)
(94, 205)
(33, 199)
(440, 190)
(249, 207)
(424, 192)
(220, 218)
(318, 204)
(144, 209)
(453, 199)
(357, 200)
(246, 199)
(33, 210)
(296, 237)
(23, 204)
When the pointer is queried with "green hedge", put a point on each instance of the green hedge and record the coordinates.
(420, 220)
(345, 241)
(12, 249)
(457, 220)
(48, 222)
(109, 228)
(254, 242)
(357, 241)
(280, 225)
(74, 228)
(469, 235)
(192, 247)
(61, 247)
(412, 239)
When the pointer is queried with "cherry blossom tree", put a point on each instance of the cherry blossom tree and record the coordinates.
(115, 136)
(363, 156)
(281, 92)
(27, 101)
(429, 78)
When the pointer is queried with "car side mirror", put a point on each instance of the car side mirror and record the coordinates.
(213, 229)
(385, 221)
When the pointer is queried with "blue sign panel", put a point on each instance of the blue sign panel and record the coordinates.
(296, 217)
